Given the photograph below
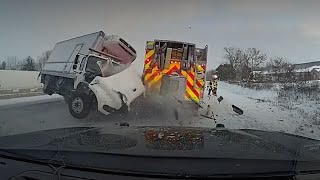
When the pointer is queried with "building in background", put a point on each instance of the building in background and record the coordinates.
(299, 72)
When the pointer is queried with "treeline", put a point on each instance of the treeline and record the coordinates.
(242, 65)
(26, 64)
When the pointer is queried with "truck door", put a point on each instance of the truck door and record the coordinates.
(68, 66)
(80, 71)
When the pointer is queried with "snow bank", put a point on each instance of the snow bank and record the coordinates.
(11, 79)
(262, 110)
(266, 95)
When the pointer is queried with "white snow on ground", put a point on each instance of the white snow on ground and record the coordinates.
(11, 79)
(263, 111)
(30, 100)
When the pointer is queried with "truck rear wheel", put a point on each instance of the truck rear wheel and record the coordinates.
(80, 105)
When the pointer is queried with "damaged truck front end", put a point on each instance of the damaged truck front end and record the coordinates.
(115, 93)
(104, 84)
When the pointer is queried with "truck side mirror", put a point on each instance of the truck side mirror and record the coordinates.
(74, 67)
(76, 59)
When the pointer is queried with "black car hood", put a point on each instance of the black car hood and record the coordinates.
(195, 151)
(171, 141)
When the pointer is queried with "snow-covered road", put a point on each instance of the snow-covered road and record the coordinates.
(261, 111)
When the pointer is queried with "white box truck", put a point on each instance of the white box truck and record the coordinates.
(93, 71)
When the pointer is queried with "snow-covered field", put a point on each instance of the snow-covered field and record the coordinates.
(263, 109)
(11, 79)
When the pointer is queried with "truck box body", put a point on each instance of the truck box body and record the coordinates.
(63, 54)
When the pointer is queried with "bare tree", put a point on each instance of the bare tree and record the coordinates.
(252, 58)
(280, 67)
(12, 62)
(255, 57)
(234, 57)
(242, 64)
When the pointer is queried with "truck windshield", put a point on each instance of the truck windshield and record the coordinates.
(103, 66)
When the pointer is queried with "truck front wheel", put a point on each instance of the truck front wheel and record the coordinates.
(80, 105)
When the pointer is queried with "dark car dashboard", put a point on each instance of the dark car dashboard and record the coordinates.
(18, 169)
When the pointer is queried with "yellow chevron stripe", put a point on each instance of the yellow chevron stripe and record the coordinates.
(189, 79)
(147, 76)
(146, 66)
(198, 90)
(165, 71)
(201, 82)
(149, 54)
(170, 67)
(199, 68)
(155, 80)
(192, 95)
(155, 83)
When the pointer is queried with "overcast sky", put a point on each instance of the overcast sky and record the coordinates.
(286, 28)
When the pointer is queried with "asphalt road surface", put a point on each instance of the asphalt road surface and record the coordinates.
(31, 116)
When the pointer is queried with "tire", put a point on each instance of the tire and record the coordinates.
(47, 86)
(80, 105)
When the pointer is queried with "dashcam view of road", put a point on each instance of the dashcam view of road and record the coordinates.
(114, 77)
(160, 89)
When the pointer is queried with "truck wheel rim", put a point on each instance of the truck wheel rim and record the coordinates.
(77, 105)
